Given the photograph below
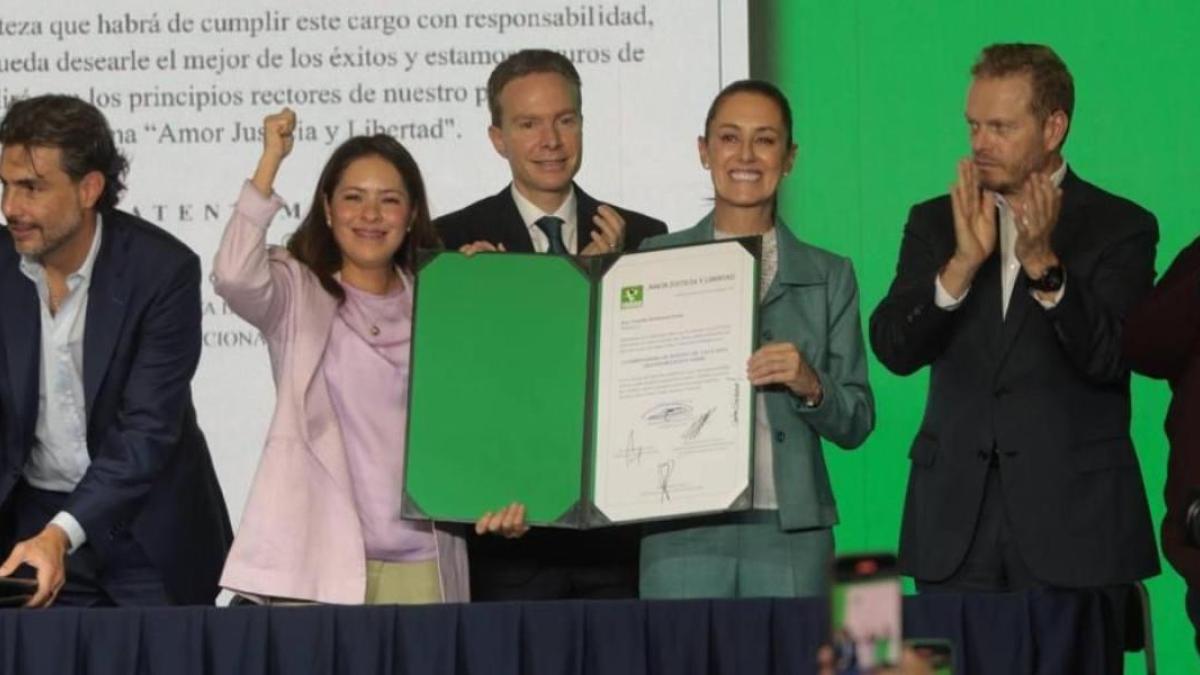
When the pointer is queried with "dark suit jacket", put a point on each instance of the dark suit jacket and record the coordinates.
(495, 219)
(150, 472)
(1047, 390)
(1162, 339)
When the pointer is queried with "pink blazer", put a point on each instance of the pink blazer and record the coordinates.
(300, 535)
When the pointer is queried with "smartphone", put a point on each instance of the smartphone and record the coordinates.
(935, 657)
(865, 613)
(15, 591)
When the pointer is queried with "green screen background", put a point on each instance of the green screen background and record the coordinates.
(878, 89)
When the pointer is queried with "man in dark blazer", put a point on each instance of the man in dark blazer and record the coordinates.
(537, 125)
(496, 220)
(107, 489)
(1013, 289)
(1162, 340)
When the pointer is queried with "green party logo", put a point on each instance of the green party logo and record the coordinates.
(631, 296)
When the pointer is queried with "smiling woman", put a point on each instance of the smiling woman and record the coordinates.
(335, 308)
(810, 375)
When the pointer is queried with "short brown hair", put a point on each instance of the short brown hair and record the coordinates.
(75, 127)
(313, 244)
(760, 87)
(528, 62)
(1053, 88)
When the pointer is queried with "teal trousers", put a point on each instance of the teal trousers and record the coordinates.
(741, 555)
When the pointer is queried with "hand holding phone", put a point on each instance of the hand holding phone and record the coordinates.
(866, 614)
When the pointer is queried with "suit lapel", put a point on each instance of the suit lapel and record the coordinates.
(1018, 309)
(796, 266)
(775, 290)
(512, 227)
(108, 295)
(20, 321)
(1070, 220)
(1065, 231)
(585, 208)
(780, 282)
(987, 284)
(316, 406)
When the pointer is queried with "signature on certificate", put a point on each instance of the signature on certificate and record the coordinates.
(632, 451)
(664, 479)
(697, 426)
(666, 413)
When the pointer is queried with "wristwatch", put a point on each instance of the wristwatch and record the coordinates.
(1050, 281)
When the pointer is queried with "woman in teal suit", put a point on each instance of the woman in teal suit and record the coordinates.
(810, 373)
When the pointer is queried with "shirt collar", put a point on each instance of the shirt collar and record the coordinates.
(530, 212)
(35, 270)
(1059, 173)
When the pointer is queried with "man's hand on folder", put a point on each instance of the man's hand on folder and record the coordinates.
(46, 553)
(508, 522)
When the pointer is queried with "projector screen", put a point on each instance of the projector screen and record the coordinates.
(185, 87)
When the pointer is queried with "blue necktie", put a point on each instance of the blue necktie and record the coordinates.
(552, 226)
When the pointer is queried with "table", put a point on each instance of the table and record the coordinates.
(1036, 631)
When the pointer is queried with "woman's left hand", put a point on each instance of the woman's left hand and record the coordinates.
(782, 363)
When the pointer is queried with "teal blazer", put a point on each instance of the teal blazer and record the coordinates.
(812, 303)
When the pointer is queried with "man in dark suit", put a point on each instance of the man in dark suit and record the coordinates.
(537, 125)
(108, 493)
(1162, 340)
(1013, 289)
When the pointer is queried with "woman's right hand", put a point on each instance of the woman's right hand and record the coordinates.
(278, 140)
(277, 133)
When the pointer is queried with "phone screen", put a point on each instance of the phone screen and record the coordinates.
(866, 614)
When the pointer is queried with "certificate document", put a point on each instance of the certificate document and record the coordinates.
(674, 408)
(594, 390)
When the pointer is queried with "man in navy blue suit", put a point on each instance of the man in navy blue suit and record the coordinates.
(107, 491)
(537, 126)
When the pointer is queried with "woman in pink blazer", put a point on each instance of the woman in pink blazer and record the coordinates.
(335, 306)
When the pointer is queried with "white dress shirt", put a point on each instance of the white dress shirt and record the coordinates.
(566, 212)
(1011, 267)
(59, 456)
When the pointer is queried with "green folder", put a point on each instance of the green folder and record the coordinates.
(501, 386)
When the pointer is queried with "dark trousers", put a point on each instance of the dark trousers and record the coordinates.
(126, 577)
(493, 580)
(994, 564)
(555, 564)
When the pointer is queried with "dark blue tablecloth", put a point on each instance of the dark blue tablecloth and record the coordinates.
(1037, 632)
